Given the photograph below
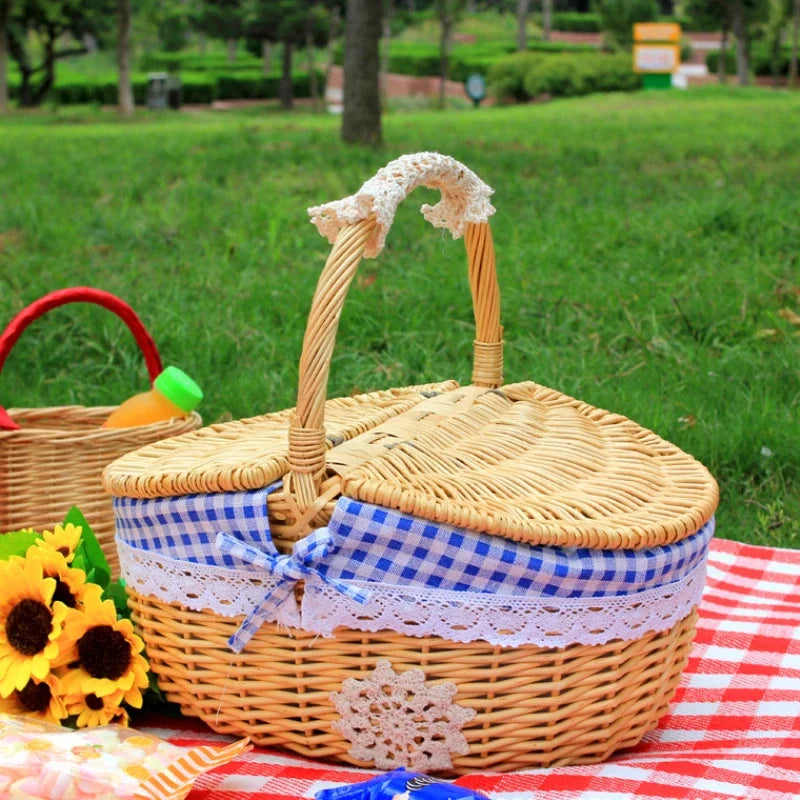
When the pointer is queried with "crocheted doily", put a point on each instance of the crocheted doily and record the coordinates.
(397, 720)
(465, 198)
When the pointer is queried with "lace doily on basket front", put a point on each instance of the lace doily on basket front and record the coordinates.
(396, 720)
(418, 611)
(465, 198)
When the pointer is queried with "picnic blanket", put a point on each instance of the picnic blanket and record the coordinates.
(733, 730)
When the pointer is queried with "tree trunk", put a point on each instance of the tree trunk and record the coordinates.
(313, 83)
(16, 49)
(333, 31)
(286, 95)
(4, 13)
(38, 94)
(266, 56)
(793, 65)
(124, 87)
(742, 44)
(361, 119)
(386, 49)
(547, 19)
(447, 23)
(522, 24)
(232, 46)
(722, 64)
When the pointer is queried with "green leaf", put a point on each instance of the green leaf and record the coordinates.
(89, 555)
(116, 591)
(16, 543)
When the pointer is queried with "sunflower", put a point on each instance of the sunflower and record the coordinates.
(102, 653)
(39, 699)
(92, 710)
(63, 539)
(71, 586)
(30, 623)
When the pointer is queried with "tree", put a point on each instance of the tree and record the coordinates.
(522, 24)
(292, 23)
(124, 86)
(223, 19)
(5, 12)
(793, 66)
(714, 14)
(617, 18)
(547, 19)
(449, 12)
(361, 119)
(51, 22)
(746, 17)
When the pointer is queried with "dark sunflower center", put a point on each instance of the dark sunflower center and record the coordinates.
(63, 593)
(94, 702)
(35, 696)
(28, 626)
(64, 550)
(104, 652)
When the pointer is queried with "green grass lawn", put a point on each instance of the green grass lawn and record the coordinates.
(648, 250)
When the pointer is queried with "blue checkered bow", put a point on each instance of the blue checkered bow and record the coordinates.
(288, 569)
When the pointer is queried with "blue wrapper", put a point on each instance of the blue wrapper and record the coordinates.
(401, 785)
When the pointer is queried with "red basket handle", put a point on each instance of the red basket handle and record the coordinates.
(77, 294)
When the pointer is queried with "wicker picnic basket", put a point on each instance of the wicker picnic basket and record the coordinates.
(518, 464)
(52, 458)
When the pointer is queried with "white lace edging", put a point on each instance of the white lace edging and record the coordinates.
(200, 587)
(504, 620)
(465, 198)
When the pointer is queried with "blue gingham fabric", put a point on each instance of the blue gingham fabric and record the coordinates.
(374, 543)
(368, 543)
(186, 527)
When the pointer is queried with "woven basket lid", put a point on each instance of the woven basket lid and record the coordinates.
(519, 461)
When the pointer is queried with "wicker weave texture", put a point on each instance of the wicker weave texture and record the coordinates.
(535, 707)
(55, 461)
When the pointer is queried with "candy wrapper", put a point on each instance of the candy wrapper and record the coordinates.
(47, 762)
(401, 785)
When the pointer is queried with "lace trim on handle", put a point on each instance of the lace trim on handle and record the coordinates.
(504, 620)
(465, 198)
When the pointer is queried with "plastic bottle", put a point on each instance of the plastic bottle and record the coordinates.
(174, 394)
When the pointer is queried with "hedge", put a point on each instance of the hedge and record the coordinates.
(196, 88)
(760, 60)
(193, 62)
(523, 76)
(575, 22)
(422, 59)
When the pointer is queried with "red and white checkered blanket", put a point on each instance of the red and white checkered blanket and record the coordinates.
(733, 730)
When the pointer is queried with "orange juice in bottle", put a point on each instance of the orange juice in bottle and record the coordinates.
(174, 394)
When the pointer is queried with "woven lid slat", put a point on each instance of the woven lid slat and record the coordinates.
(544, 469)
(248, 453)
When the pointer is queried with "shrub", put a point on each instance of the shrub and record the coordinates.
(507, 76)
(526, 75)
(575, 22)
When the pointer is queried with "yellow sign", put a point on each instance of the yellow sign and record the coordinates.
(656, 32)
(656, 58)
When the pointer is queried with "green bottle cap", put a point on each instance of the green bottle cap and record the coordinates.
(179, 388)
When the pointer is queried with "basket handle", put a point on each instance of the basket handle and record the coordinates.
(357, 225)
(77, 294)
